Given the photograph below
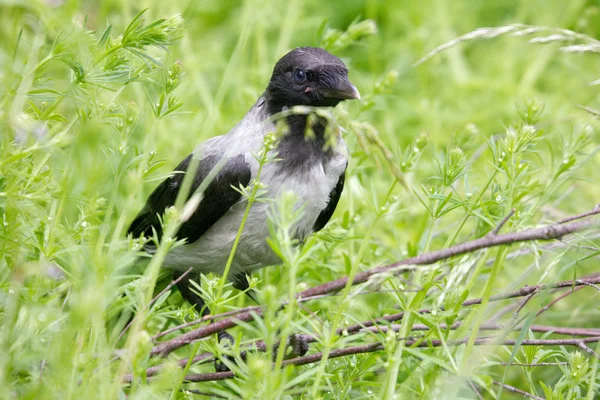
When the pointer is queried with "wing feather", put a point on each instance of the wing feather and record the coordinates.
(334, 198)
(217, 199)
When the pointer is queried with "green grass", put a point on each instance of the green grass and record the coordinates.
(98, 105)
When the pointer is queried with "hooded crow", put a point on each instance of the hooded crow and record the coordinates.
(308, 166)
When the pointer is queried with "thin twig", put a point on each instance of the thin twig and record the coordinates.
(516, 390)
(474, 388)
(152, 371)
(524, 291)
(372, 347)
(595, 211)
(559, 298)
(169, 286)
(594, 286)
(253, 308)
(204, 319)
(207, 394)
(528, 250)
(588, 350)
(211, 376)
(523, 304)
(502, 223)
(317, 297)
(504, 310)
(541, 364)
(487, 327)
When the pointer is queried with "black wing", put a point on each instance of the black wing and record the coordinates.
(218, 197)
(334, 198)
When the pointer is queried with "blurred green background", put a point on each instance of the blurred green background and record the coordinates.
(66, 198)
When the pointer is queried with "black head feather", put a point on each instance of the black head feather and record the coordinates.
(309, 76)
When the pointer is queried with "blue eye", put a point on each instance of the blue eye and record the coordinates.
(299, 75)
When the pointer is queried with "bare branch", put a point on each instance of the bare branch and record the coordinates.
(485, 327)
(559, 298)
(180, 363)
(542, 364)
(595, 211)
(588, 350)
(524, 291)
(207, 394)
(502, 223)
(474, 388)
(516, 390)
(307, 338)
(548, 232)
(205, 318)
(523, 304)
(214, 376)
(372, 347)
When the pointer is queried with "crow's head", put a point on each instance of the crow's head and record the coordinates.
(309, 76)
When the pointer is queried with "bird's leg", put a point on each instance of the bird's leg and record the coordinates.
(298, 346)
(191, 297)
(241, 282)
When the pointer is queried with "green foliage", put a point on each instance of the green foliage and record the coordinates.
(98, 101)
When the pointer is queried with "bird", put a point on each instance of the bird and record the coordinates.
(308, 166)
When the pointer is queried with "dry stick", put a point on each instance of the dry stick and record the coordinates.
(526, 251)
(514, 254)
(372, 347)
(594, 286)
(547, 232)
(165, 290)
(207, 394)
(152, 371)
(516, 390)
(523, 304)
(214, 376)
(203, 319)
(307, 338)
(524, 291)
(508, 308)
(542, 364)
(474, 388)
(595, 211)
(559, 330)
(502, 223)
(559, 298)
(588, 350)
(253, 308)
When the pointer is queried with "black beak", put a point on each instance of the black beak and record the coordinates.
(344, 91)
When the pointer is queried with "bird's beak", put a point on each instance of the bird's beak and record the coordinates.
(345, 91)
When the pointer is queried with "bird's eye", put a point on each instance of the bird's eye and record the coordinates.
(299, 75)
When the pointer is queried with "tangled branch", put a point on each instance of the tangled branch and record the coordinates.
(372, 347)
(373, 327)
(547, 232)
